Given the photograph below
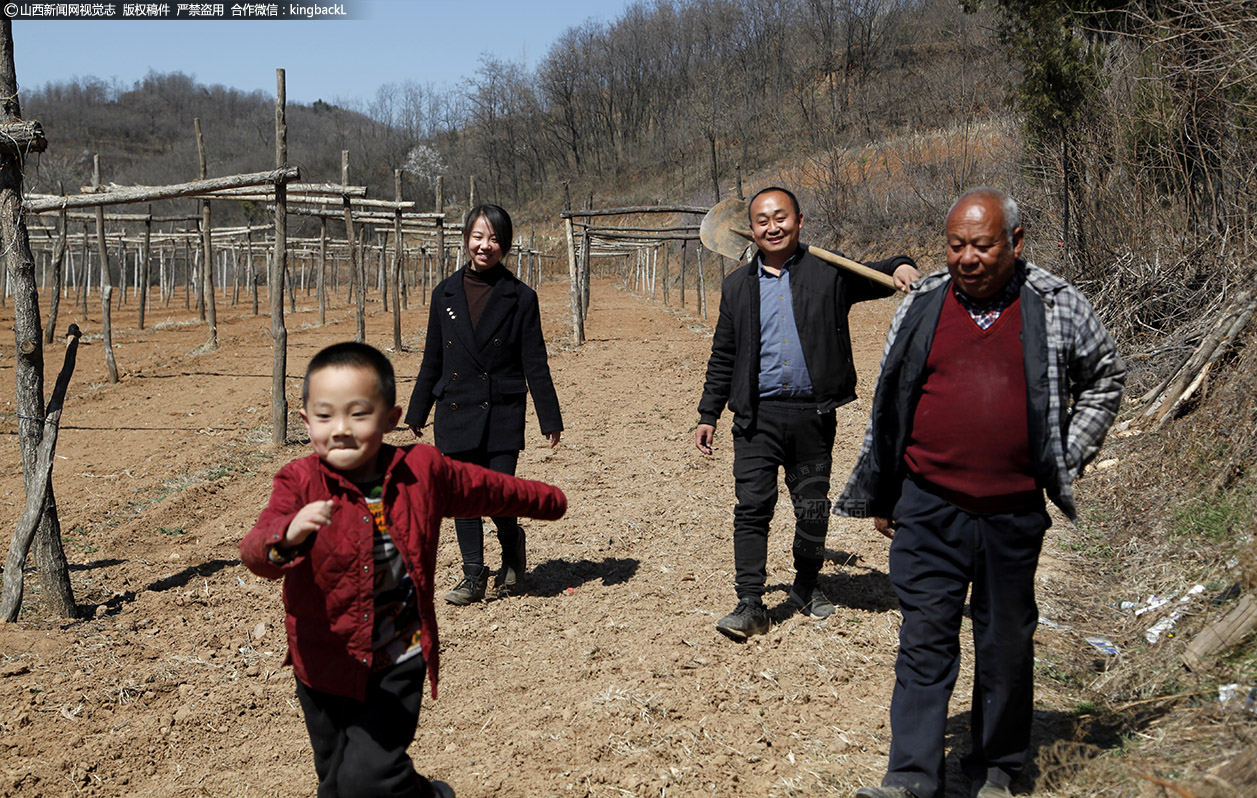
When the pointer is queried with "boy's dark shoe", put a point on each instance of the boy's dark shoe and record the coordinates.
(514, 564)
(816, 606)
(471, 589)
(441, 790)
(750, 617)
(883, 792)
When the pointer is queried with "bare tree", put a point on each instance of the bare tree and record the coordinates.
(20, 265)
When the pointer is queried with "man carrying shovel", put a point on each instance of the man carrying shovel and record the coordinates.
(781, 361)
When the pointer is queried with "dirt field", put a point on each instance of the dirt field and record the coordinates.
(606, 679)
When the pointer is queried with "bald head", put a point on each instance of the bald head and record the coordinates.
(1008, 206)
(984, 240)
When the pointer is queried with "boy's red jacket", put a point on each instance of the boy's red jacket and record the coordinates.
(328, 596)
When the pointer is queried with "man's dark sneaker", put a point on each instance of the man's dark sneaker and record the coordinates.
(816, 606)
(441, 790)
(475, 580)
(514, 564)
(883, 792)
(750, 617)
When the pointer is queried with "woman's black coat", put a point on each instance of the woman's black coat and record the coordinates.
(478, 379)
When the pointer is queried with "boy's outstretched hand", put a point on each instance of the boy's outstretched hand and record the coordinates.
(308, 520)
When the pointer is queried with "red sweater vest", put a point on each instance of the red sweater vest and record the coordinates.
(970, 440)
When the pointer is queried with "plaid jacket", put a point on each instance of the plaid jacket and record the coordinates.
(1068, 355)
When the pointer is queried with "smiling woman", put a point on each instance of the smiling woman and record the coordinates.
(484, 352)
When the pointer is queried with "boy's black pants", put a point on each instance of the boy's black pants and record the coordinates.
(790, 435)
(360, 746)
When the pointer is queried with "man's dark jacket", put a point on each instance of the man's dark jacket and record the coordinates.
(821, 296)
(478, 379)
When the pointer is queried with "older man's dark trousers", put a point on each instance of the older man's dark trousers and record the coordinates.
(360, 746)
(794, 436)
(938, 552)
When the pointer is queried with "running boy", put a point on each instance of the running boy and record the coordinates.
(353, 531)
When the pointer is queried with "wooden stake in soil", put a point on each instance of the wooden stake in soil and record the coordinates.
(702, 286)
(145, 255)
(578, 323)
(395, 269)
(251, 270)
(322, 278)
(275, 287)
(106, 287)
(58, 261)
(206, 259)
(584, 270)
(440, 234)
(356, 283)
(87, 276)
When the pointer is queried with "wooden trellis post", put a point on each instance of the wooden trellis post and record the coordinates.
(356, 282)
(207, 260)
(275, 288)
(584, 264)
(440, 236)
(86, 288)
(106, 286)
(702, 286)
(322, 277)
(251, 270)
(578, 322)
(146, 254)
(235, 274)
(683, 277)
(395, 270)
(58, 260)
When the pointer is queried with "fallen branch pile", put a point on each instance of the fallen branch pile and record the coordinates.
(1161, 402)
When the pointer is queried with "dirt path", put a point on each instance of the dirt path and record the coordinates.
(606, 679)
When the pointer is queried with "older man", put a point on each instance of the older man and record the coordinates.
(781, 360)
(971, 424)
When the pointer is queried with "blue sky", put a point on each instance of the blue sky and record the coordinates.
(427, 41)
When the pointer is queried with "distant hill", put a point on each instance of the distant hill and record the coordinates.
(145, 135)
(671, 102)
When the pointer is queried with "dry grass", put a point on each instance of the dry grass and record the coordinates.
(1177, 511)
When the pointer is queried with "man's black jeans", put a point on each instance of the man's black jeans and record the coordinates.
(794, 436)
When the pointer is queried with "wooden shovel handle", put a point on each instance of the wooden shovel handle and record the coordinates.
(840, 261)
(850, 265)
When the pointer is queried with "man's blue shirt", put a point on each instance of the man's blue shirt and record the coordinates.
(782, 370)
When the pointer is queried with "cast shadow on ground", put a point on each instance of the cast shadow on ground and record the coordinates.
(867, 589)
(115, 603)
(553, 577)
(852, 584)
(87, 566)
(1061, 744)
(870, 592)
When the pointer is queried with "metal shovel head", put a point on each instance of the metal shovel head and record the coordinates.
(724, 230)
